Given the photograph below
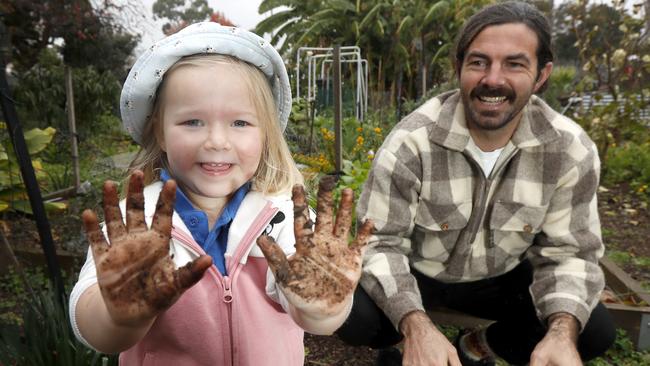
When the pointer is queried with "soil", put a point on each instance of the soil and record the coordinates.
(625, 220)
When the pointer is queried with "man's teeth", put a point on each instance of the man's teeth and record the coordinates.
(494, 100)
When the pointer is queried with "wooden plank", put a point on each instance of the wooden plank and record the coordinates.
(621, 282)
(449, 317)
(636, 322)
(634, 319)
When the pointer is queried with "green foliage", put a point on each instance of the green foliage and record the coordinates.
(629, 164)
(90, 31)
(621, 353)
(41, 99)
(560, 86)
(13, 195)
(42, 334)
(627, 258)
(106, 51)
(403, 42)
(181, 13)
(413, 104)
(614, 62)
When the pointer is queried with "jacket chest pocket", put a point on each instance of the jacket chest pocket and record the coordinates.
(437, 228)
(513, 226)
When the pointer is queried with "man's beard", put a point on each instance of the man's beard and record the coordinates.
(478, 119)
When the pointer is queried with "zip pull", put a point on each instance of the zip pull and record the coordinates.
(227, 292)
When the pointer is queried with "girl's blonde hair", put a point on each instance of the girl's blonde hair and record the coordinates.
(276, 173)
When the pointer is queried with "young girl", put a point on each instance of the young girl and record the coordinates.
(208, 106)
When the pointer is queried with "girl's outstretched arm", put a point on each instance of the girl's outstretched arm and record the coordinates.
(319, 279)
(136, 277)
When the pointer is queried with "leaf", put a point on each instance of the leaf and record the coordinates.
(437, 8)
(37, 139)
(341, 5)
(371, 14)
(405, 24)
(307, 33)
(55, 206)
(380, 27)
(271, 23)
(267, 5)
(442, 51)
(25, 206)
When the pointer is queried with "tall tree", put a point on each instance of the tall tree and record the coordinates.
(91, 35)
(403, 41)
(181, 13)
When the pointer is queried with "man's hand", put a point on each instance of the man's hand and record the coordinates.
(424, 344)
(135, 273)
(321, 277)
(558, 347)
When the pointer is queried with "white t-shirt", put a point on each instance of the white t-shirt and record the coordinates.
(487, 159)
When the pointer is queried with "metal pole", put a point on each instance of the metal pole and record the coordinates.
(73, 126)
(31, 184)
(338, 137)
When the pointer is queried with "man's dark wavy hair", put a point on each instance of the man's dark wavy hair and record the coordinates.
(504, 13)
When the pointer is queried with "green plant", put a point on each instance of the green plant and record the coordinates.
(560, 86)
(34, 325)
(615, 63)
(630, 164)
(45, 337)
(622, 257)
(621, 353)
(13, 195)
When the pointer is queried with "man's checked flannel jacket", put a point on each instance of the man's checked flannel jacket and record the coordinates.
(437, 213)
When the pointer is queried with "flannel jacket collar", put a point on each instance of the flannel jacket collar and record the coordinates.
(450, 128)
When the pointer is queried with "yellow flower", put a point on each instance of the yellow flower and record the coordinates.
(377, 130)
(360, 140)
(359, 129)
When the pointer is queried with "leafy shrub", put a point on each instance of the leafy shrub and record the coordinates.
(41, 333)
(621, 353)
(13, 195)
(629, 164)
(560, 86)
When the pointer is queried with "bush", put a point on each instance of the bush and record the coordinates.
(41, 334)
(629, 164)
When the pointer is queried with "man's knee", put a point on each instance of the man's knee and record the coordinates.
(367, 325)
(599, 334)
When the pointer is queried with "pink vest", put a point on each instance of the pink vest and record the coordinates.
(223, 320)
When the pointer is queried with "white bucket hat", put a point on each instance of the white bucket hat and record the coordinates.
(138, 93)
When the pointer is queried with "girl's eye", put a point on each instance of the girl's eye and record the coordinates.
(193, 122)
(240, 123)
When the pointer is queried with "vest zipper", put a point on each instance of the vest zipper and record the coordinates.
(248, 240)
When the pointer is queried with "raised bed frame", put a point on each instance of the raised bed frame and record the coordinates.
(635, 320)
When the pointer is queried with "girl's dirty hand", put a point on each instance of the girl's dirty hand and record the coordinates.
(135, 273)
(323, 273)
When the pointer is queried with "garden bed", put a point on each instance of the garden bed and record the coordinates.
(628, 303)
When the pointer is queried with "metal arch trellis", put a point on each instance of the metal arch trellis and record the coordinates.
(348, 54)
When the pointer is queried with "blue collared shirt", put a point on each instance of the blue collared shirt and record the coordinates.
(213, 241)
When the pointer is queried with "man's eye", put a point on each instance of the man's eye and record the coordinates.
(240, 123)
(193, 122)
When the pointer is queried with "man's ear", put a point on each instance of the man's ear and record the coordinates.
(544, 74)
